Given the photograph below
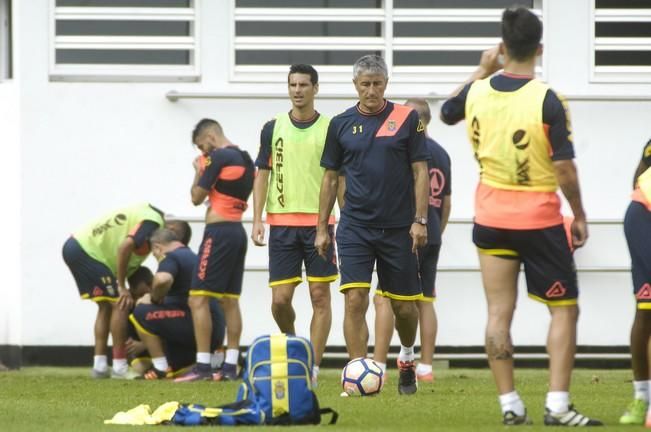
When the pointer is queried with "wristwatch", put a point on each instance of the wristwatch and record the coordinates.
(421, 220)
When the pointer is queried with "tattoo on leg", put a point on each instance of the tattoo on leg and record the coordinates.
(499, 347)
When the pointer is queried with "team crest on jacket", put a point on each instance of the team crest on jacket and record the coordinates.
(391, 125)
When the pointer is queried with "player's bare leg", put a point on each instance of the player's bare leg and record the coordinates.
(101, 330)
(561, 346)
(281, 307)
(499, 277)
(321, 318)
(406, 316)
(428, 327)
(233, 319)
(119, 319)
(355, 327)
(202, 323)
(384, 325)
(640, 333)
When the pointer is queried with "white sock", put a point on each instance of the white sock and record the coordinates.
(558, 401)
(232, 355)
(160, 363)
(100, 363)
(315, 371)
(120, 366)
(203, 357)
(641, 390)
(423, 369)
(406, 353)
(512, 402)
(383, 366)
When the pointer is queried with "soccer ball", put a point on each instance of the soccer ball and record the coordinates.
(362, 376)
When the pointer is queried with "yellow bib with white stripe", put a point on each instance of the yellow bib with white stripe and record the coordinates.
(508, 137)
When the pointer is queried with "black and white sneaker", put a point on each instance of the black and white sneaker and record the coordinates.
(407, 380)
(569, 418)
(512, 419)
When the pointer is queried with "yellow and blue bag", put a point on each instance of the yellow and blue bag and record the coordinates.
(278, 379)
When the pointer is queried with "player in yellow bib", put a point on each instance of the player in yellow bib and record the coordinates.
(521, 137)
(288, 182)
(101, 256)
(637, 227)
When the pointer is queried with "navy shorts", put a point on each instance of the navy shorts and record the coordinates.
(548, 262)
(428, 259)
(95, 281)
(220, 267)
(173, 324)
(290, 247)
(637, 228)
(397, 267)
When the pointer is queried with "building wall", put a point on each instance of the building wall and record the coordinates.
(91, 146)
(10, 168)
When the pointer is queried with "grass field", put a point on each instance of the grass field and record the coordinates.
(65, 399)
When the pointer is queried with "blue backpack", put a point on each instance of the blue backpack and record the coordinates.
(278, 379)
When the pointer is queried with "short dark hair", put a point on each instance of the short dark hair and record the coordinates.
(163, 236)
(182, 230)
(422, 108)
(141, 275)
(205, 124)
(521, 32)
(304, 69)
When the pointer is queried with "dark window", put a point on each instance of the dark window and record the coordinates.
(122, 28)
(623, 58)
(131, 57)
(6, 43)
(436, 58)
(446, 29)
(623, 29)
(460, 4)
(124, 3)
(246, 57)
(280, 28)
(622, 4)
(308, 3)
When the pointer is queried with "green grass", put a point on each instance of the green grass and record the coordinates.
(65, 399)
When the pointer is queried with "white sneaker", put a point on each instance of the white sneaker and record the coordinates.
(126, 375)
(97, 374)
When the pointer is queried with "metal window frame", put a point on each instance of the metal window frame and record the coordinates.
(618, 74)
(125, 72)
(6, 41)
(385, 43)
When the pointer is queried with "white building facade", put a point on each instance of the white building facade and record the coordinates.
(98, 99)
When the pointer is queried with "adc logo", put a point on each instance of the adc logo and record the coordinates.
(436, 185)
(521, 139)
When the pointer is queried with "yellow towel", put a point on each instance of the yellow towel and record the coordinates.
(142, 415)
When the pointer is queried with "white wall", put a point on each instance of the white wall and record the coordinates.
(91, 147)
(10, 168)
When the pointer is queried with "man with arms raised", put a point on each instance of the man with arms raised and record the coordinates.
(520, 132)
